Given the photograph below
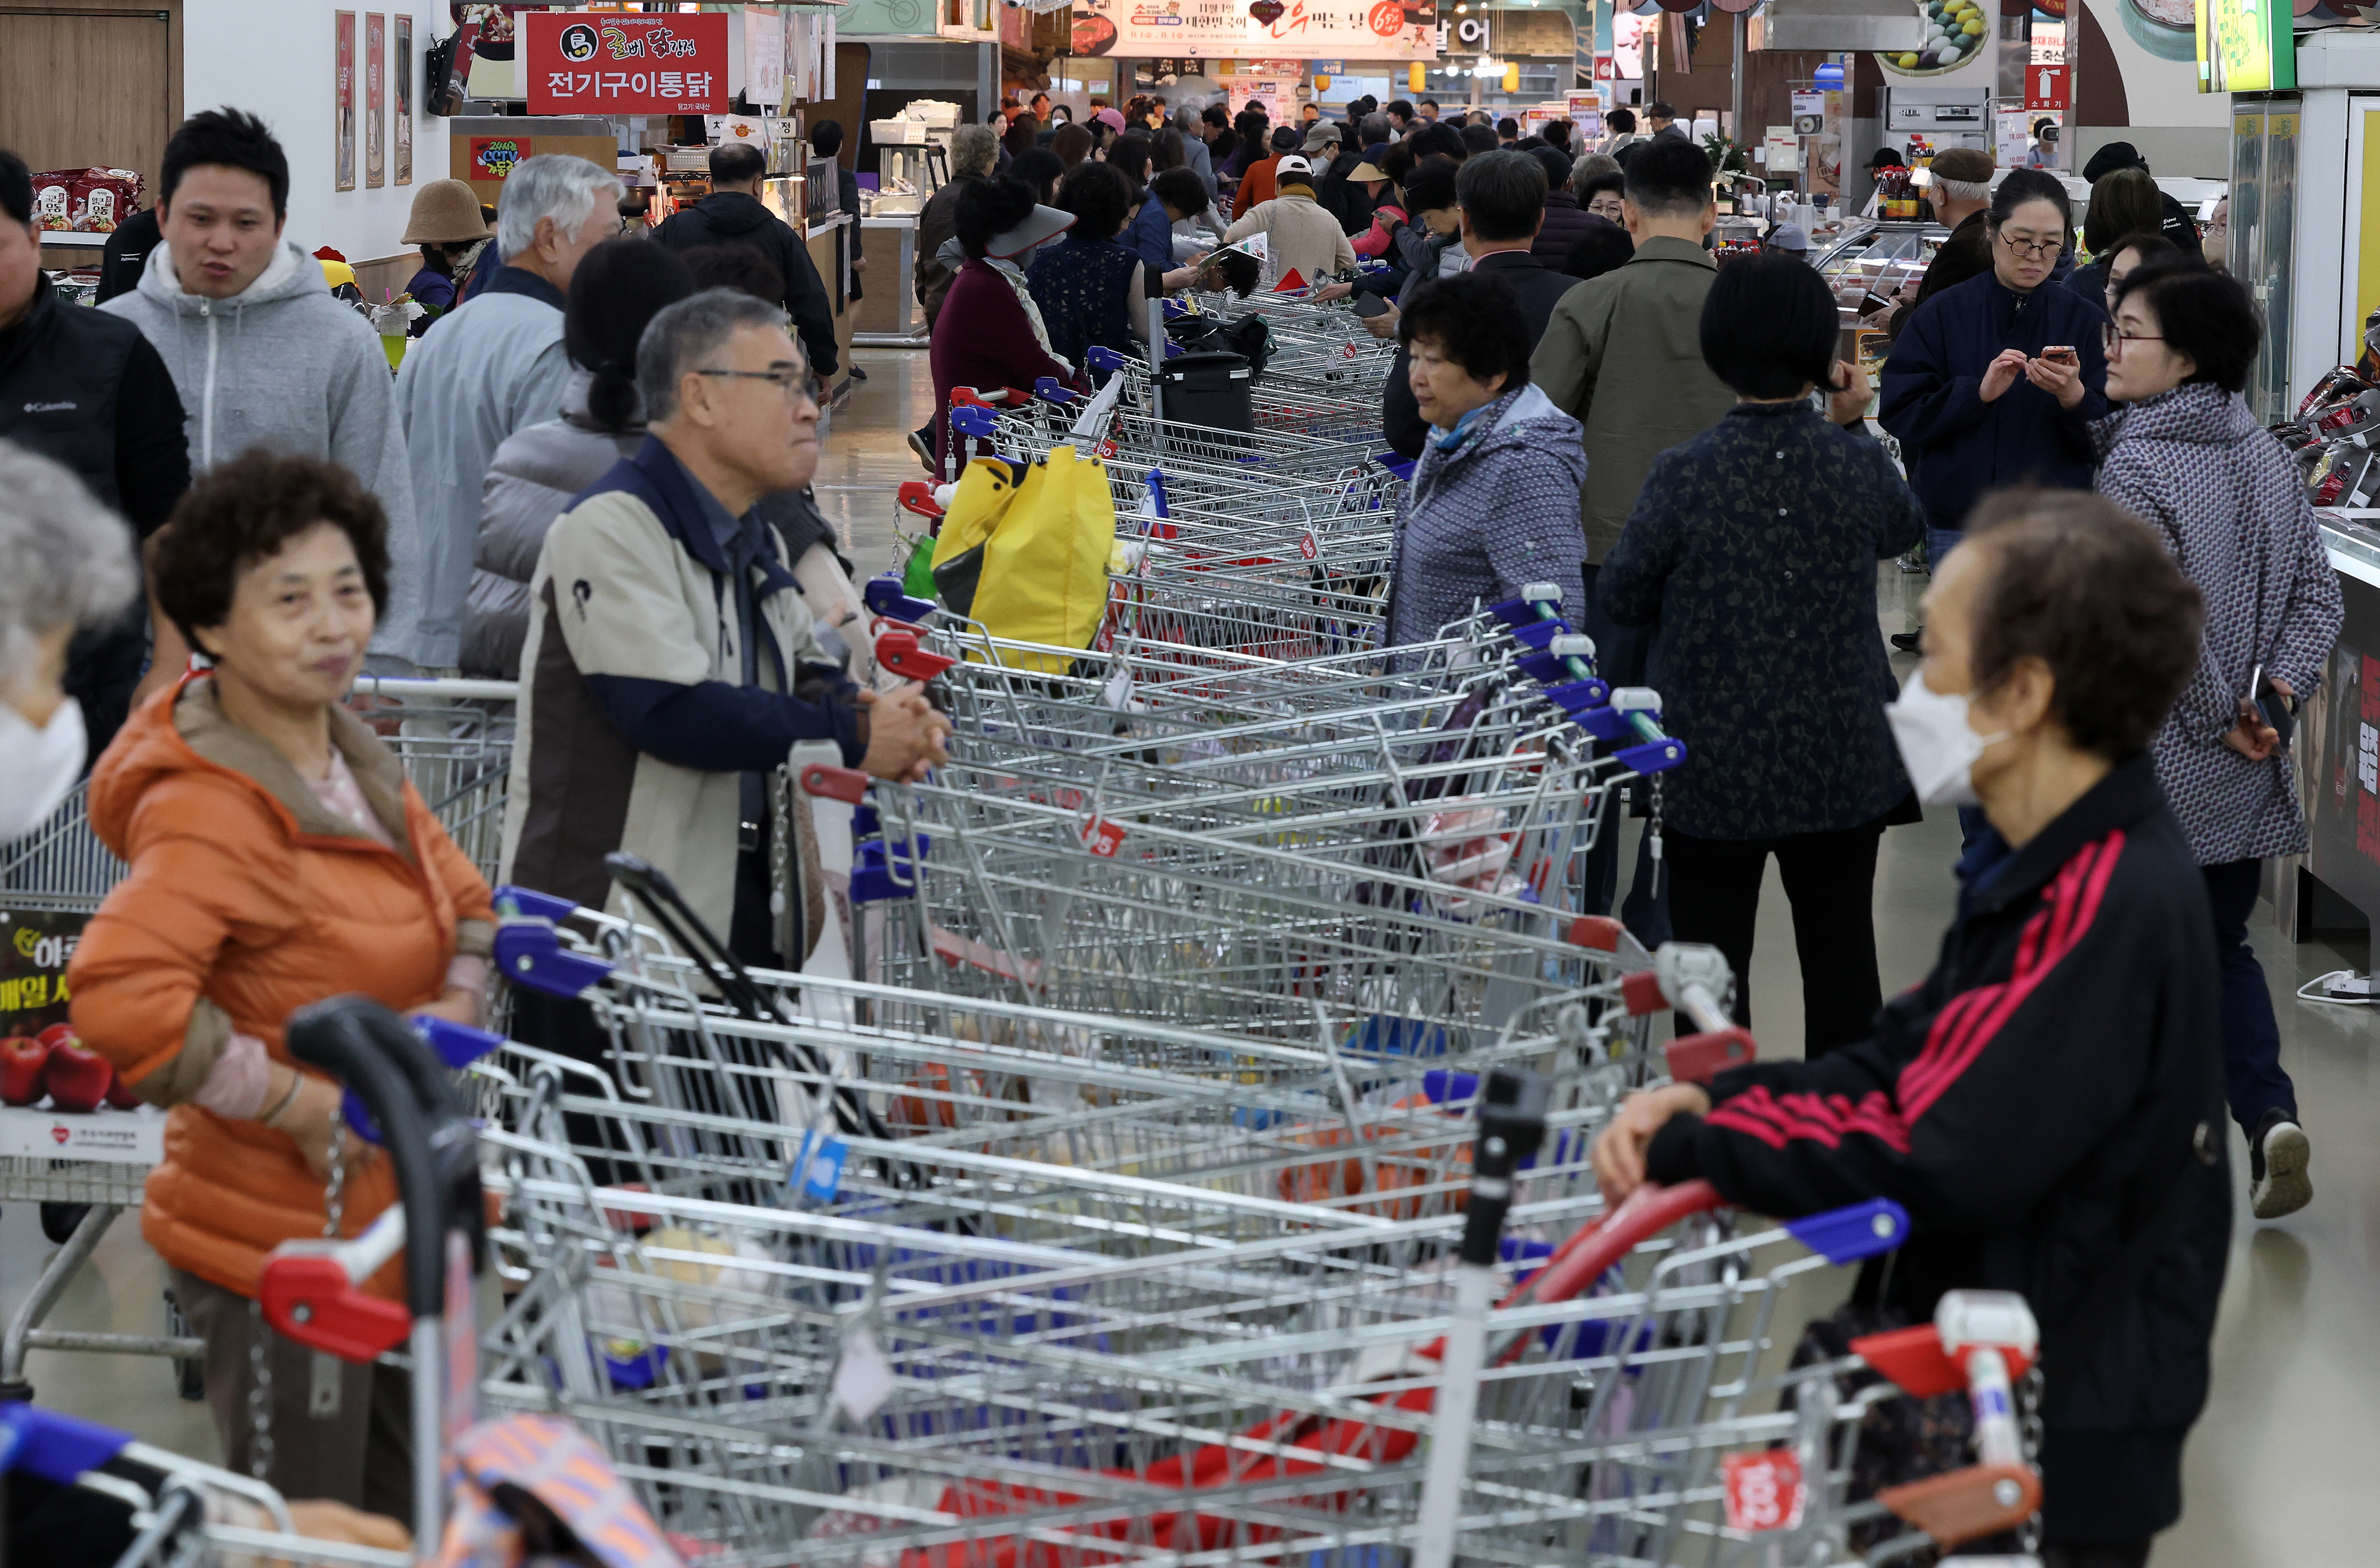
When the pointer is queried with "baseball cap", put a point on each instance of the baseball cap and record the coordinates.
(1290, 167)
(1887, 158)
(1039, 226)
(1323, 134)
(1788, 237)
(1111, 117)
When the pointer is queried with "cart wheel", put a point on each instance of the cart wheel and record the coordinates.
(59, 1219)
(189, 1372)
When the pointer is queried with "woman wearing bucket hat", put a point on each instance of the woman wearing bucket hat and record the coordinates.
(989, 333)
(445, 223)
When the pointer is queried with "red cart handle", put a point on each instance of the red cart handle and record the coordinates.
(846, 784)
(309, 1291)
(917, 496)
(898, 652)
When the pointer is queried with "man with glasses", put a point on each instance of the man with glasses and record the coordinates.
(671, 664)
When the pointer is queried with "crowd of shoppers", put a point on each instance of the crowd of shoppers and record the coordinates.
(593, 477)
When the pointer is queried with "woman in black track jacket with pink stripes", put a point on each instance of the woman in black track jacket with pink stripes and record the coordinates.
(2048, 1103)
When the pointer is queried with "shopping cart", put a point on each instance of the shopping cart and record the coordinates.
(834, 1387)
(455, 740)
(719, 1077)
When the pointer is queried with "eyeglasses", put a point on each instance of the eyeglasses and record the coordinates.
(1605, 207)
(2034, 249)
(784, 377)
(2111, 342)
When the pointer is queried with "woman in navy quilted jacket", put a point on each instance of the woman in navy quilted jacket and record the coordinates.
(2187, 457)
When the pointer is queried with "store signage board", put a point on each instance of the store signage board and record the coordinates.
(1209, 29)
(2045, 87)
(1809, 103)
(2246, 47)
(2048, 43)
(617, 63)
(492, 157)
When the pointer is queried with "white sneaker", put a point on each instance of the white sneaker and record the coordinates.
(2277, 1156)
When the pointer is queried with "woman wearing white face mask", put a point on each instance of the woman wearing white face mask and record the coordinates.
(2047, 1104)
(2188, 459)
(70, 564)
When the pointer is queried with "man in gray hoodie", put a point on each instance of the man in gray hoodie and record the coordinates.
(261, 353)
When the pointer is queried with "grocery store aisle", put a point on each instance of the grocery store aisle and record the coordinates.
(2277, 1464)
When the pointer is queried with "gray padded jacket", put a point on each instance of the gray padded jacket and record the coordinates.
(531, 481)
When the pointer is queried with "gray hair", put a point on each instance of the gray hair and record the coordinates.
(974, 149)
(72, 561)
(1590, 164)
(1964, 189)
(687, 334)
(552, 185)
(1374, 128)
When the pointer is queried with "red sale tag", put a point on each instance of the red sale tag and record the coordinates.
(1763, 1491)
(1309, 546)
(1102, 837)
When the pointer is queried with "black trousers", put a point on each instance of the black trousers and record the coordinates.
(1830, 878)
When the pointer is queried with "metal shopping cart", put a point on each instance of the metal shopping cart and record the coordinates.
(790, 1383)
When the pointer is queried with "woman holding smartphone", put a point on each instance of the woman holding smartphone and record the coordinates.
(2186, 456)
(1996, 381)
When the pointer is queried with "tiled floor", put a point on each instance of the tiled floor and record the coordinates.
(2276, 1467)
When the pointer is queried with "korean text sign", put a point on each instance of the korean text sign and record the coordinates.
(614, 63)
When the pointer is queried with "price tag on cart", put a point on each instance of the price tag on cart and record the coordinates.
(1102, 837)
(1763, 1491)
(1309, 547)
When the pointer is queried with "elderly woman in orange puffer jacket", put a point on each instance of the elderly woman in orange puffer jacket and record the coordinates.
(278, 858)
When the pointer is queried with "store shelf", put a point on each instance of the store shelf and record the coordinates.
(70, 239)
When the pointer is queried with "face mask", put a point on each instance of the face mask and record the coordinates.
(43, 766)
(1937, 746)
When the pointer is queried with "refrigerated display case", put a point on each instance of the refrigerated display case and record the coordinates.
(1874, 257)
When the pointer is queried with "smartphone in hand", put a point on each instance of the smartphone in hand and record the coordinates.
(2061, 354)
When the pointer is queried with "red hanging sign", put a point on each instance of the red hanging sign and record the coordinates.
(2045, 87)
(1104, 838)
(616, 63)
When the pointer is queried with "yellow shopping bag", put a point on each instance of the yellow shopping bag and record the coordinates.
(1026, 552)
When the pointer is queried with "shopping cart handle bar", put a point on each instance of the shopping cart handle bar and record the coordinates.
(846, 784)
(1538, 635)
(1584, 1258)
(515, 902)
(1577, 697)
(53, 1445)
(311, 1298)
(898, 652)
(914, 496)
(1697, 1058)
(1601, 932)
(1850, 1235)
(1099, 357)
(1654, 757)
(1049, 390)
(885, 597)
(1912, 1359)
(974, 420)
(529, 953)
(1965, 1505)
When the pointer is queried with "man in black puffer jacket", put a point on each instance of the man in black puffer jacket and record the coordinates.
(2048, 1104)
(733, 214)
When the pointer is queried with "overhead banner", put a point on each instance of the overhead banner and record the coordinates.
(618, 62)
(1211, 30)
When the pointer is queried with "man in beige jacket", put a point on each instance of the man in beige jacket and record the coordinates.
(1299, 235)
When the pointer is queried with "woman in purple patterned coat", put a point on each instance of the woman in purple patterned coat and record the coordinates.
(2187, 457)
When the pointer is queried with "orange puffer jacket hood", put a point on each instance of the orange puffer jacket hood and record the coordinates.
(246, 900)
